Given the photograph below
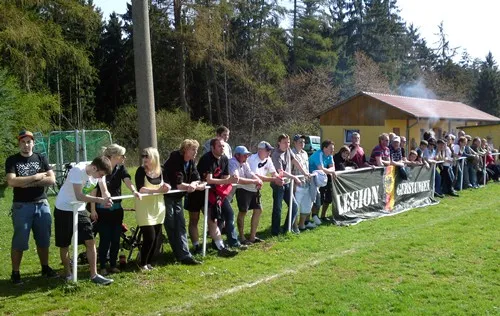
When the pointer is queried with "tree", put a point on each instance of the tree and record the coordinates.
(487, 92)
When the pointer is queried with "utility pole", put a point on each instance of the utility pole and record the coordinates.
(144, 74)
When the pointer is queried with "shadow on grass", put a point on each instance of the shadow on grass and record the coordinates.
(32, 283)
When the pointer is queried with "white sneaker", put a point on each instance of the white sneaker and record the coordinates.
(316, 220)
(99, 279)
(69, 278)
(311, 225)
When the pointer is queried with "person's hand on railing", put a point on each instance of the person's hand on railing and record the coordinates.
(258, 183)
(137, 195)
(234, 179)
(106, 202)
(297, 180)
(191, 187)
(279, 181)
(164, 188)
(201, 186)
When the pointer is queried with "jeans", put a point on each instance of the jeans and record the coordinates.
(472, 174)
(280, 193)
(447, 177)
(175, 226)
(109, 235)
(228, 216)
(27, 216)
(437, 183)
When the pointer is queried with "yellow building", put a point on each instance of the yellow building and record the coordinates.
(484, 131)
(372, 114)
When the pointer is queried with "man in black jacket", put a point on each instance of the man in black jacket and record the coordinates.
(182, 175)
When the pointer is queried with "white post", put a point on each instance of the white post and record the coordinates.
(205, 223)
(75, 242)
(84, 145)
(77, 146)
(484, 170)
(290, 207)
(434, 184)
(462, 163)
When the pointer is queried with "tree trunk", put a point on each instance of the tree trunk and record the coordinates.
(179, 48)
(215, 87)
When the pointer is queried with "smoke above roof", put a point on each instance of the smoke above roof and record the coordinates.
(416, 89)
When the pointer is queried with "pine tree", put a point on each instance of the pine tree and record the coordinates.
(487, 92)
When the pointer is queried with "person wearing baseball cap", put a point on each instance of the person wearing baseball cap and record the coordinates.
(262, 166)
(247, 193)
(29, 174)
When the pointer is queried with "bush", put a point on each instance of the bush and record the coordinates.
(172, 127)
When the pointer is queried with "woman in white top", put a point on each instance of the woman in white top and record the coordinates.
(150, 211)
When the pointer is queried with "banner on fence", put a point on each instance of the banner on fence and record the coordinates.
(372, 193)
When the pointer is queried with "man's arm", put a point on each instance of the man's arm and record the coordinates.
(77, 187)
(20, 182)
(225, 179)
(47, 181)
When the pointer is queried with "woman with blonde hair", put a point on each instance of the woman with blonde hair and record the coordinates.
(150, 211)
(109, 220)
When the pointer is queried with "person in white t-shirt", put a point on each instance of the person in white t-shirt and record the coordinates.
(247, 193)
(262, 165)
(82, 179)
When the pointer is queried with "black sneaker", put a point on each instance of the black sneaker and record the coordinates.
(226, 253)
(190, 261)
(16, 278)
(49, 273)
(197, 250)
(439, 195)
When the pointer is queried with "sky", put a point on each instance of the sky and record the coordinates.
(470, 26)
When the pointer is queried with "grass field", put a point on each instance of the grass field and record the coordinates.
(442, 259)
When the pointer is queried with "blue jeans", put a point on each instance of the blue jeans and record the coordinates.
(228, 216)
(27, 216)
(472, 174)
(280, 193)
(175, 226)
(437, 183)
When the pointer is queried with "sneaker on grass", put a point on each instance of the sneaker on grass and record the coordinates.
(99, 279)
(49, 273)
(226, 253)
(16, 278)
(316, 220)
(310, 225)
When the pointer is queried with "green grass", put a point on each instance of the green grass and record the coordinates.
(441, 259)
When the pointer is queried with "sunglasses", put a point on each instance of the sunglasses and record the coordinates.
(144, 156)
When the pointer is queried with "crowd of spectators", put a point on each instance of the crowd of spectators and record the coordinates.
(460, 161)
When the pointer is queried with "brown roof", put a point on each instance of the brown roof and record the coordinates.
(429, 108)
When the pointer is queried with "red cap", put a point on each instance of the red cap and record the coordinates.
(24, 133)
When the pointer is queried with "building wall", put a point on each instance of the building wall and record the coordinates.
(483, 131)
(369, 135)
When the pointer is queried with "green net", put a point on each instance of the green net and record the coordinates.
(62, 147)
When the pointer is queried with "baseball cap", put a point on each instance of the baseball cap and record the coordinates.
(265, 145)
(297, 137)
(25, 133)
(396, 139)
(242, 150)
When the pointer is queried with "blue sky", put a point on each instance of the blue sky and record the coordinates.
(472, 27)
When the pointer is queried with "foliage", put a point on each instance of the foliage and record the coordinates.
(487, 90)
(172, 128)
(22, 110)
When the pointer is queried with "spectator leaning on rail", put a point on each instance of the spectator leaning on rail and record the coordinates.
(213, 168)
(357, 153)
(443, 153)
(472, 163)
(222, 133)
(150, 210)
(182, 175)
(29, 174)
(109, 220)
(305, 193)
(262, 165)
(429, 155)
(323, 160)
(458, 152)
(283, 158)
(247, 191)
(81, 182)
(381, 154)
